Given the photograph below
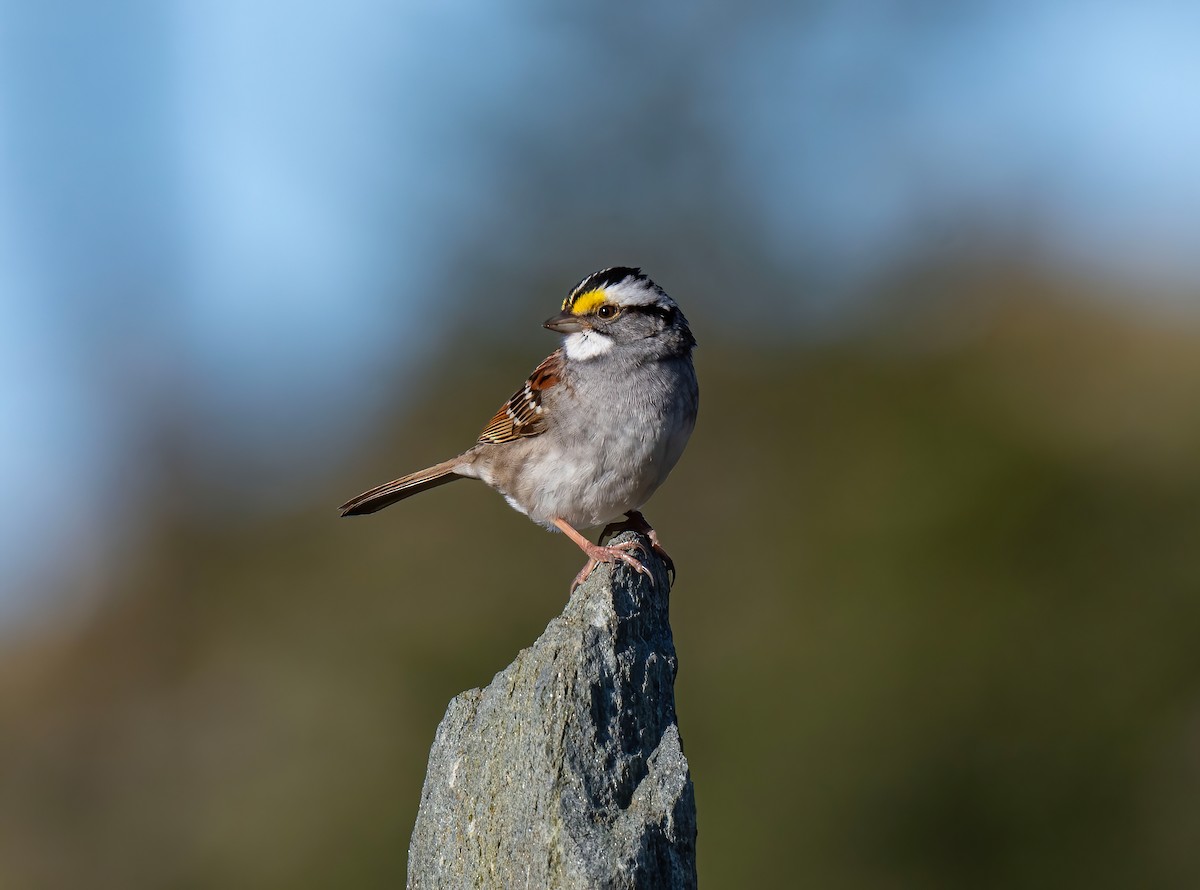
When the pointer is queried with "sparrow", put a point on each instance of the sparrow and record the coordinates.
(595, 429)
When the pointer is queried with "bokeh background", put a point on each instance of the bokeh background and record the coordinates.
(938, 531)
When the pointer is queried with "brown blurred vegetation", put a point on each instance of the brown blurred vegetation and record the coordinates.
(936, 618)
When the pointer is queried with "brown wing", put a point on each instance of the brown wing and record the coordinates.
(521, 415)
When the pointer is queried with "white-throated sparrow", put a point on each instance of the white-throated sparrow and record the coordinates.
(597, 426)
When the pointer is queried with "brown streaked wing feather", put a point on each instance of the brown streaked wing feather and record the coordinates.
(521, 415)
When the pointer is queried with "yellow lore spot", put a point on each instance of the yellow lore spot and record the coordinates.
(587, 302)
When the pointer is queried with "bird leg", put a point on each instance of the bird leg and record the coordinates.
(597, 554)
(636, 522)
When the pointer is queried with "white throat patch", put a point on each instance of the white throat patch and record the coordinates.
(587, 344)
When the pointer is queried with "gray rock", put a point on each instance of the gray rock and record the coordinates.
(568, 770)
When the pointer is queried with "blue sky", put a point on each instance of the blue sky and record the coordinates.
(244, 208)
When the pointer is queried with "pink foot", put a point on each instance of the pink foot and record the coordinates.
(636, 522)
(611, 554)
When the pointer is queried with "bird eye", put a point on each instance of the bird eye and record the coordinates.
(607, 311)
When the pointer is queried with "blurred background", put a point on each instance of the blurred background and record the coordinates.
(938, 608)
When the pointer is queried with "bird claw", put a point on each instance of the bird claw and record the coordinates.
(583, 574)
(613, 553)
(636, 522)
(629, 545)
(663, 555)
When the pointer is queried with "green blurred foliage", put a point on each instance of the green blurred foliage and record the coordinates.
(936, 618)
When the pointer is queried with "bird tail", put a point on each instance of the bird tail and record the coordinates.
(398, 489)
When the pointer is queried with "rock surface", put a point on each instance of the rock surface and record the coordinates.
(567, 771)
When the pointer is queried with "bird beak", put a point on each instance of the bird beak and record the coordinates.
(564, 323)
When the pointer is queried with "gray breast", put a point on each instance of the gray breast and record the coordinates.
(615, 433)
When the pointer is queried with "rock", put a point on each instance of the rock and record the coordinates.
(567, 771)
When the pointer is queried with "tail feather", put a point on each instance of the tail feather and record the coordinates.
(398, 489)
